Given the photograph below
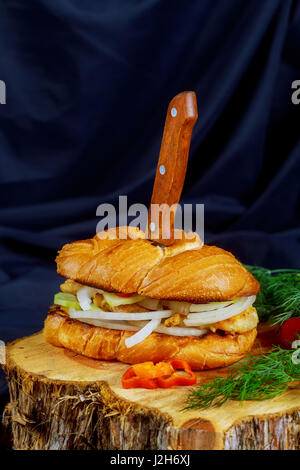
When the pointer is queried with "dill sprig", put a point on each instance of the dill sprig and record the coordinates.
(279, 298)
(266, 376)
(254, 378)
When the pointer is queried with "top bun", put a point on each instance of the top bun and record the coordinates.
(123, 260)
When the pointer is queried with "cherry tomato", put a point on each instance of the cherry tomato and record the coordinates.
(289, 330)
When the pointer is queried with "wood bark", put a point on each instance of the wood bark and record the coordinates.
(47, 412)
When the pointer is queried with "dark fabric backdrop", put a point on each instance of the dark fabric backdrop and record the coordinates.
(88, 84)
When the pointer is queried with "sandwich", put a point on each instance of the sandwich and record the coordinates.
(130, 299)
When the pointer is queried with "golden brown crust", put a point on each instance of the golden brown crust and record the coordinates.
(209, 274)
(187, 271)
(208, 352)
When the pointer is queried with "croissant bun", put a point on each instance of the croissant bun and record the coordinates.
(208, 352)
(122, 260)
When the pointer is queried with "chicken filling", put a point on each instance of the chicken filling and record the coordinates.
(180, 316)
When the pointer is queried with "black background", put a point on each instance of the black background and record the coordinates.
(88, 85)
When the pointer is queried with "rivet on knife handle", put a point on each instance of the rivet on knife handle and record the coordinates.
(171, 169)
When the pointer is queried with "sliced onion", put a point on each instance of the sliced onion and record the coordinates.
(173, 330)
(112, 325)
(210, 306)
(135, 326)
(180, 307)
(214, 316)
(178, 331)
(142, 334)
(84, 297)
(112, 316)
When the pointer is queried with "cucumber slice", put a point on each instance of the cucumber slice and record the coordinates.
(94, 307)
(66, 300)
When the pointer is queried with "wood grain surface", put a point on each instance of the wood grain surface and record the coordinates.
(57, 397)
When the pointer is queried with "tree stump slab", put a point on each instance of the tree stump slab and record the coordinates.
(61, 400)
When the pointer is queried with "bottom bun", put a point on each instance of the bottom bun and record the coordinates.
(208, 352)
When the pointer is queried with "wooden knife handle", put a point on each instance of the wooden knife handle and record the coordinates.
(171, 169)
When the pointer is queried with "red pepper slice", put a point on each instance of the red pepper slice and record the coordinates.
(131, 380)
(176, 379)
(289, 330)
(148, 375)
(148, 370)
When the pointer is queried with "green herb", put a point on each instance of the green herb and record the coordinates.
(266, 376)
(279, 298)
(254, 378)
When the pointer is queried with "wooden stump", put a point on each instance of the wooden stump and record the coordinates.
(59, 400)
